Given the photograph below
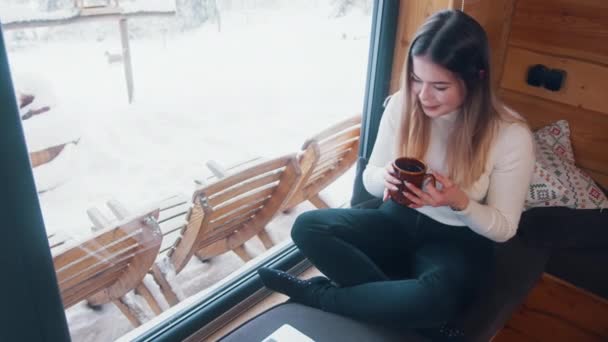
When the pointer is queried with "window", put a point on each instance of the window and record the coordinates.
(226, 81)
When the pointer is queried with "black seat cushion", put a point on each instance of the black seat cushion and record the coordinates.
(565, 228)
(578, 240)
(316, 324)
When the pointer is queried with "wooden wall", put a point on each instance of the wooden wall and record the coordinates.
(412, 14)
(556, 311)
(571, 35)
(567, 34)
(494, 15)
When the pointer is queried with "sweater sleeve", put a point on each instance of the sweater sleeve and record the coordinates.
(384, 147)
(510, 178)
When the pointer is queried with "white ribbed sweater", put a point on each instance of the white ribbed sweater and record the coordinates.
(496, 198)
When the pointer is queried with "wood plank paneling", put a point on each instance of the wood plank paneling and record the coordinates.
(574, 28)
(589, 130)
(557, 311)
(412, 14)
(585, 84)
(495, 17)
(508, 334)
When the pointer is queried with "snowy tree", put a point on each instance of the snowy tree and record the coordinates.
(342, 7)
(191, 13)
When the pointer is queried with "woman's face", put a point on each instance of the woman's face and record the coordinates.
(439, 90)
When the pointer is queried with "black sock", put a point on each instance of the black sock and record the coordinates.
(307, 292)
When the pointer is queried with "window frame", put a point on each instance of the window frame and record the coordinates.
(32, 307)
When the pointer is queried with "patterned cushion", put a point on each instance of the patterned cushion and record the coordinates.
(557, 137)
(557, 182)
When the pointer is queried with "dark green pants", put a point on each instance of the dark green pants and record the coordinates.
(393, 265)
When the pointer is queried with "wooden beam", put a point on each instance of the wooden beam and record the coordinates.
(83, 16)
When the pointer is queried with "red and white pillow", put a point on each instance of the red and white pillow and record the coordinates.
(557, 182)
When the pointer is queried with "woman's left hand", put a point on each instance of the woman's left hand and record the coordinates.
(450, 195)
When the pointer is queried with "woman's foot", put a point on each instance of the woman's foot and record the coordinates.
(307, 292)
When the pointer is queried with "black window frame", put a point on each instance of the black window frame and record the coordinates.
(32, 309)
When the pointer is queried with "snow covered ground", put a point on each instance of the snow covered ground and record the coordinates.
(259, 88)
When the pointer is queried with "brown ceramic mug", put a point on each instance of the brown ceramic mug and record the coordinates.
(410, 170)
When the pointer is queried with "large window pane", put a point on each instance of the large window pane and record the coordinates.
(227, 81)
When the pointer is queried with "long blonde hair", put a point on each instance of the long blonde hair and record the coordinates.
(458, 43)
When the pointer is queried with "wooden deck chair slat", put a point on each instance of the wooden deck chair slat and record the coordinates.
(77, 293)
(318, 159)
(325, 167)
(89, 287)
(104, 246)
(80, 273)
(254, 206)
(355, 120)
(235, 239)
(238, 211)
(342, 144)
(223, 231)
(327, 150)
(229, 218)
(99, 275)
(195, 217)
(334, 156)
(243, 188)
(322, 172)
(121, 257)
(339, 137)
(242, 203)
(137, 269)
(271, 199)
(239, 177)
(91, 264)
(317, 185)
(220, 235)
(316, 179)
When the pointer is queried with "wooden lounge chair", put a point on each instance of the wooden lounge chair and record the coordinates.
(227, 213)
(105, 267)
(324, 158)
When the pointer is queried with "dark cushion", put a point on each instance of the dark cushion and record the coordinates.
(583, 268)
(316, 324)
(560, 227)
(518, 266)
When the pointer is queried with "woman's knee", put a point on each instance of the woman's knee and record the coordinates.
(302, 227)
(312, 224)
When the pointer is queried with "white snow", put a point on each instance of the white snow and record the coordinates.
(260, 87)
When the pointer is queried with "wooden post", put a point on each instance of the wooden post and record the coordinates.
(126, 53)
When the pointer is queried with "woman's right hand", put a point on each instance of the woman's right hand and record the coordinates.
(390, 181)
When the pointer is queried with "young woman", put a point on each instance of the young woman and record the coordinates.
(418, 266)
